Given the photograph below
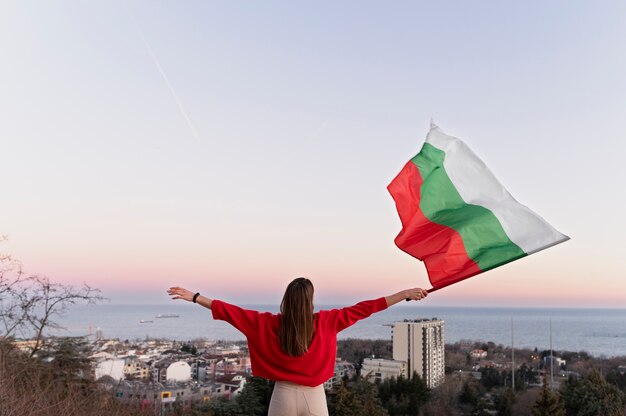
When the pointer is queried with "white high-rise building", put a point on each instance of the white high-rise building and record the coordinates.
(420, 343)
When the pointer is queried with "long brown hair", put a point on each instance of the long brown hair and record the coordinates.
(296, 321)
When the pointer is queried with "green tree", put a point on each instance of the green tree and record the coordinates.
(490, 378)
(224, 407)
(360, 398)
(68, 358)
(255, 397)
(524, 375)
(189, 348)
(484, 407)
(548, 403)
(617, 378)
(342, 401)
(254, 400)
(592, 396)
(366, 394)
(504, 403)
(469, 393)
(403, 397)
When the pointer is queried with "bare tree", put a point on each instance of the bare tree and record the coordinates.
(29, 304)
(12, 306)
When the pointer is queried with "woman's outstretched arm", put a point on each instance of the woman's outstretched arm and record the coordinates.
(408, 294)
(342, 318)
(184, 294)
(244, 320)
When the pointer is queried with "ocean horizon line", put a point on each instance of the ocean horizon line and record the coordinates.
(406, 305)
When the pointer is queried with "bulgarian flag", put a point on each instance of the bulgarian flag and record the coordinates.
(457, 217)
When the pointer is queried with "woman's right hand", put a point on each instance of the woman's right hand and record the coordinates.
(415, 294)
(180, 293)
(408, 294)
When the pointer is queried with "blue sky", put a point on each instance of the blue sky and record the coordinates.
(304, 113)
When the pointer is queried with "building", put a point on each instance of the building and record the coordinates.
(135, 369)
(158, 398)
(478, 354)
(113, 368)
(557, 362)
(178, 372)
(230, 385)
(26, 345)
(343, 369)
(380, 369)
(420, 343)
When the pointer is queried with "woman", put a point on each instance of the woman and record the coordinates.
(296, 347)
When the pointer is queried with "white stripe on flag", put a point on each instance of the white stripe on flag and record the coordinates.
(477, 185)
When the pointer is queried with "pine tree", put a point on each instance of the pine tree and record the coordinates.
(505, 403)
(343, 401)
(361, 398)
(366, 396)
(548, 403)
(255, 397)
(401, 396)
(593, 396)
(469, 394)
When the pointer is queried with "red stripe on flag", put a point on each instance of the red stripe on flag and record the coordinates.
(438, 246)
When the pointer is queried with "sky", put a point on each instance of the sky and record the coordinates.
(295, 117)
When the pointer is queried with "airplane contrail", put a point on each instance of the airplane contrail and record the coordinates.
(169, 85)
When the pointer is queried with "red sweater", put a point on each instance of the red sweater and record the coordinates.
(269, 361)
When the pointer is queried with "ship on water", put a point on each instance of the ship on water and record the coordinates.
(146, 321)
(167, 315)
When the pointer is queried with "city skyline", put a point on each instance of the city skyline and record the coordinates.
(229, 148)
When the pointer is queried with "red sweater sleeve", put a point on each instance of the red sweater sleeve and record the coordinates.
(243, 319)
(340, 319)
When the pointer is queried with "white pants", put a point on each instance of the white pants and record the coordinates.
(290, 399)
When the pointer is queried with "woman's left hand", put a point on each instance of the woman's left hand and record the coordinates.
(180, 293)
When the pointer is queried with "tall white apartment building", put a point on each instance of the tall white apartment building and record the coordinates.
(420, 343)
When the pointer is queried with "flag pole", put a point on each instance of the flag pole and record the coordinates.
(436, 288)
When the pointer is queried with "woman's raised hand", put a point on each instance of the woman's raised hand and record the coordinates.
(180, 293)
(408, 294)
(415, 294)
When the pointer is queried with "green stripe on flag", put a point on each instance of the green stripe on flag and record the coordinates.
(483, 236)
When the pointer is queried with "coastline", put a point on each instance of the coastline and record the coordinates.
(600, 332)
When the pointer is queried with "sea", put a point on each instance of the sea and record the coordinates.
(600, 332)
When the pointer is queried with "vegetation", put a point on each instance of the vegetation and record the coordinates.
(403, 397)
(254, 400)
(592, 395)
(358, 398)
(59, 385)
(58, 380)
(549, 403)
(53, 377)
(355, 350)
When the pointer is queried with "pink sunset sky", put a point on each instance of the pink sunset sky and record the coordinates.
(269, 157)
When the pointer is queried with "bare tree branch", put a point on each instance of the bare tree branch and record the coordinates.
(53, 300)
(29, 304)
